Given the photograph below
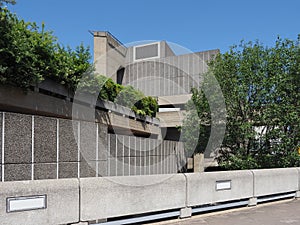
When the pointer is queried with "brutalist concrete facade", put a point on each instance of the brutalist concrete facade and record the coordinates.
(156, 70)
(150, 68)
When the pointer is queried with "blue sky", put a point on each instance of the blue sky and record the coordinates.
(195, 24)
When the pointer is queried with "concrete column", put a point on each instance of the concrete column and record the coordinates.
(297, 195)
(198, 163)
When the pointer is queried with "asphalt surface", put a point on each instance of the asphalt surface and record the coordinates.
(276, 213)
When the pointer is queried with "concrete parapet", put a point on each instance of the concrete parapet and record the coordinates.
(120, 196)
(58, 202)
(275, 181)
(206, 188)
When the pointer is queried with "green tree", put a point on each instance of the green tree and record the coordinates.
(29, 54)
(261, 86)
(7, 1)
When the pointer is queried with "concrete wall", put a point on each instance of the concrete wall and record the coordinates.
(33, 102)
(90, 199)
(62, 202)
(120, 196)
(272, 181)
(173, 75)
(39, 147)
(131, 155)
(202, 187)
(109, 54)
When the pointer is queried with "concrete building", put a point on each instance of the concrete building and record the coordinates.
(156, 70)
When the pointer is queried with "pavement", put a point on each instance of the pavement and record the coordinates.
(275, 213)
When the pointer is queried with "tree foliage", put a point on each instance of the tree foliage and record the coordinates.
(261, 86)
(197, 124)
(7, 2)
(29, 54)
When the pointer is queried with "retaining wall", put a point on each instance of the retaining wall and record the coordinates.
(39, 147)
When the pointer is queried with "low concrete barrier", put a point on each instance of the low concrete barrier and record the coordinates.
(39, 202)
(119, 196)
(206, 188)
(275, 181)
(70, 201)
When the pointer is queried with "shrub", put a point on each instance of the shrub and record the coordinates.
(28, 55)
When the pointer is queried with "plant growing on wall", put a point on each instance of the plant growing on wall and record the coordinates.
(126, 96)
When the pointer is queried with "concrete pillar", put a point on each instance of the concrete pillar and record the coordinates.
(190, 163)
(297, 195)
(198, 163)
(252, 202)
(109, 54)
(185, 212)
(100, 50)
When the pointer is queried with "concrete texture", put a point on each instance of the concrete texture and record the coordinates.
(68, 148)
(120, 196)
(14, 99)
(109, 54)
(102, 142)
(279, 213)
(88, 133)
(17, 172)
(17, 138)
(202, 187)
(87, 168)
(45, 171)
(185, 212)
(102, 168)
(45, 139)
(252, 202)
(68, 170)
(62, 202)
(272, 181)
(149, 156)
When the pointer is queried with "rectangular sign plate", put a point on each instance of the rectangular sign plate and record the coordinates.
(17, 204)
(223, 185)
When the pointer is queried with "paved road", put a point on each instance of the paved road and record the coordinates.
(278, 213)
